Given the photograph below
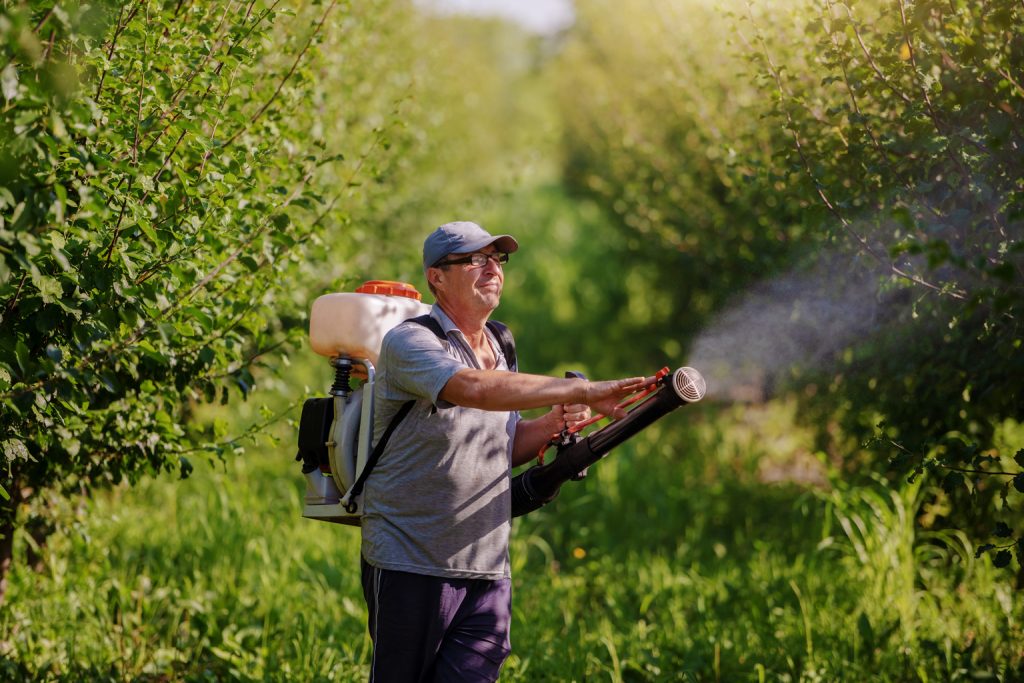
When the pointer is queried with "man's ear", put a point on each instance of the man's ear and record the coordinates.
(435, 276)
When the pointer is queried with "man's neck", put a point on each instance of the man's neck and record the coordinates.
(471, 324)
(472, 327)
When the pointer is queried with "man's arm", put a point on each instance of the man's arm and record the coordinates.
(532, 434)
(499, 390)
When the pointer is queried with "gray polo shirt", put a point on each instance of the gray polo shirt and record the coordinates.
(438, 501)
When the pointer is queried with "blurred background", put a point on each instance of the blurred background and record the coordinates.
(816, 204)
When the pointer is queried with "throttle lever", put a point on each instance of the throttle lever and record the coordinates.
(568, 438)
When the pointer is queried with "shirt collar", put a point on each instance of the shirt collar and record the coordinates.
(448, 327)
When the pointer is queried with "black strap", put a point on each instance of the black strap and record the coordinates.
(505, 341)
(357, 488)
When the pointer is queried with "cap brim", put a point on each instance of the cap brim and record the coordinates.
(505, 243)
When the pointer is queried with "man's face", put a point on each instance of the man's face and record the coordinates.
(464, 288)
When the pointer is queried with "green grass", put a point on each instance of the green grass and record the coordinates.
(672, 561)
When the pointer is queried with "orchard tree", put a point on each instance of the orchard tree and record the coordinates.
(164, 175)
(908, 131)
(664, 130)
(731, 145)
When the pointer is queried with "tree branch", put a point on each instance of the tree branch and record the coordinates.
(871, 60)
(120, 27)
(250, 431)
(13, 301)
(970, 471)
(181, 91)
(46, 17)
(287, 76)
(865, 245)
(120, 218)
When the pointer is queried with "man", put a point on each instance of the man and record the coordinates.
(437, 509)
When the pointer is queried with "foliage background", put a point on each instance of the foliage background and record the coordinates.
(817, 204)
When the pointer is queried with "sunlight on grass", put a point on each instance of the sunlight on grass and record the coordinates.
(671, 561)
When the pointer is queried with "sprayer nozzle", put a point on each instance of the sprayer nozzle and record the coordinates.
(689, 384)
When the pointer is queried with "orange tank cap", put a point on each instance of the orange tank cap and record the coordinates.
(389, 288)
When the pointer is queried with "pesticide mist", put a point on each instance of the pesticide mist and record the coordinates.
(799, 320)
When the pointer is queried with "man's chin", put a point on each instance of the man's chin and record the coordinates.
(491, 299)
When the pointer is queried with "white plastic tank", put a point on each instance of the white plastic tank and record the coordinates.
(353, 324)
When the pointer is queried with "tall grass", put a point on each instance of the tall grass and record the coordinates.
(916, 582)
(671, 561)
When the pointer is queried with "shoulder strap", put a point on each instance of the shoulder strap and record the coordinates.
(429, 322)
(349, 500)
(357, 488)
(505, 341)
(498, 329)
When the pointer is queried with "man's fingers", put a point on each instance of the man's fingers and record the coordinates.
(576, 411)
(634, 384)
(604, 397)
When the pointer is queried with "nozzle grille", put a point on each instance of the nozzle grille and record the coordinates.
(689, 384)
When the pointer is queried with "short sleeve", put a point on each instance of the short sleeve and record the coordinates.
(418, 363)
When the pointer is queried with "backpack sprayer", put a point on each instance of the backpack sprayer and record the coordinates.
(335, 432)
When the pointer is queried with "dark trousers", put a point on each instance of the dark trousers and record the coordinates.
(436, 629)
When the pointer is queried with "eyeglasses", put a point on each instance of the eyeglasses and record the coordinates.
(478, 259)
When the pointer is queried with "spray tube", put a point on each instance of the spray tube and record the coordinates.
(540, 484)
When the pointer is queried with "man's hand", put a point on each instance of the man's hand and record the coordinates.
(568, 415)
(604, 397)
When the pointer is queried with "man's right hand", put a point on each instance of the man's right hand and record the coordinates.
(604, 397)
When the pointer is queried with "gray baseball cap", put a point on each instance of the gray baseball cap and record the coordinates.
(462, 237)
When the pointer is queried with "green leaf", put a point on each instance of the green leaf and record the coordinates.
(9, 82)
(1002, 530)
(867, 633)
(6, 198)
(982, 549)
(185, 466)
(147, 230)
(21, 355)
(15, 449)
(50, 289)
(953, 483)
(3, 493)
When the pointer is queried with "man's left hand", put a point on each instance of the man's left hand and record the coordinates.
(567, 415)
